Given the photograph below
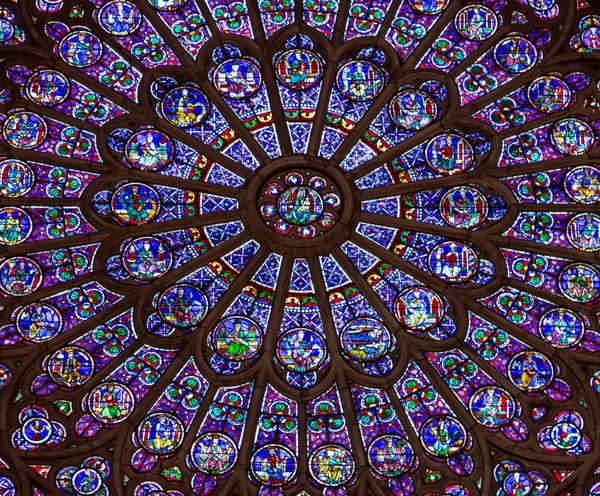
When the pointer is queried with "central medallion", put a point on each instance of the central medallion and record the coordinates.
(301, 203)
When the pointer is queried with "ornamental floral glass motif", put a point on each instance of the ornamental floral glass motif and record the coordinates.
(300, 247)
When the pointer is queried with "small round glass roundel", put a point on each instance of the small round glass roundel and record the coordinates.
(183, 305)
(149, 150)
(453, 262)
(365, 339)
(25, 130)
(331, 455)
(391, 455)
(561, 327)
(161, 433)
(37, 430)
(413, 109)
(19, 276)
(70, 366)
(492, 407)
(135, 204)
(213, 453)
(147, 258)
(464, 207)
(549, 94)
(580, 282)
(237, 78)
(47, 87)
(583, 232)
(301, 350)
(39, 322)
(429, 7)
(86, 481)
(476, 22)
(80, 48)
(516, 54)
(572, 136)
(450, 154)
(237, 338)
(360, 80)
(419, 308)
(531, 371)
(111, 402)
(443, 436)
(119, 17)
(15, 225)
(273, 465)
(16, 178)
(299, 69)
(582, 184)
(185, 107)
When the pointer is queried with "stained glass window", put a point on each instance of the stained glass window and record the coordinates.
(300, 247)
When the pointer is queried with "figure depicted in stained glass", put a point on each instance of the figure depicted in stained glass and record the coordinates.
(390, 455)
(464, 207)
(300, 205)
(449, 154)
(331, 465)
(360, 80)
(71, 366)
(418, 308)
(443, 436)
(476, 22)
(572, 136)
(25, 130)
(549, 94)
(149, 150)
(111, 402)
(119, 17)
(580, 282)
(183, 305)
(15, 225)
(583, 231)
(274, 465)
(16, 178)
(237, 338)
(365, 339)
(561, 327)
(299, 69)
(147, 258)
(531, 371)
(39, 322)
(237, 78)
(48, 87)
(429, 6)
(301, 350)
(19, 276)
(37, 430)
(452, 262)
(135, 203)
(413, 109)
(214, 453)
(515, 54)
(185, 107)
(161, 433)
(80, 48)
(517, 484)
(583, 184)
(492, 406)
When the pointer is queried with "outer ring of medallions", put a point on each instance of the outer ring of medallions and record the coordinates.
(261, 232)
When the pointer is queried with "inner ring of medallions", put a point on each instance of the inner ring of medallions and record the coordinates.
(298, 202)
